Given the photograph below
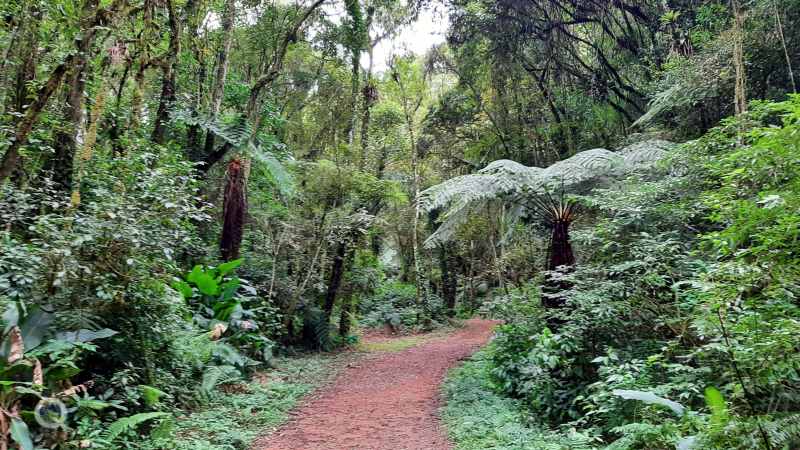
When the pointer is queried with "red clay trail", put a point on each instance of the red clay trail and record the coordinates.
(388, 402)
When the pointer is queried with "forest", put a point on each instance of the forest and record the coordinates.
(399, 224)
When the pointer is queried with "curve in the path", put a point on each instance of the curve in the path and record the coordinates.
(389, 402)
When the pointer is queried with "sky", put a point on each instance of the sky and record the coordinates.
(429, 30)
(418, 37)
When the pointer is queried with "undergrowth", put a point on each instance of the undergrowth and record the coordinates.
(478, 418)
(235, 417)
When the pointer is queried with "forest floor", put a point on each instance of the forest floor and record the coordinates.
(389, 400)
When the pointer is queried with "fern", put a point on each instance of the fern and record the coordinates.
(782, 433)
(275, 168)
(236, 132)
(216, 375)
(508, 180)
(316, 328)
(129, 423)
(240, 134)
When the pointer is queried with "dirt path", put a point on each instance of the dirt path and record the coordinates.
(386, 402)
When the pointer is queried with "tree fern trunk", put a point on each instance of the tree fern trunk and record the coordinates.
(560, 248)
(234, 210)
(344, 318)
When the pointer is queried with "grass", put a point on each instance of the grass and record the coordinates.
(233, 420)
(392, 345)
(479, 418)
(400, 343)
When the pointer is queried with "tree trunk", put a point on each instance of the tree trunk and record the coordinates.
(561, 255)
(69, 137)
(348, 305)
(234, 210)
(560, 248)
(740, 95)
(89, 26)
(449, 279)
(193, 14)
(335, 280)
(218, 88)
(355, 81)
(168, 83)
(32, 113)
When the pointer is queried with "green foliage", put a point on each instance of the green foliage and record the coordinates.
(233, 420)
(685, 282)
(477, 417)
(214, 295)
(394, 305)
(509, 181)
(129, 423)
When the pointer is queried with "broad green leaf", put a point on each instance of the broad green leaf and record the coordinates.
(206, 284)
(20, 434)
(61, 373)
(229, 288)
(196, 272)
(151, 395)
(227, 267)
(184, 288)
(11, 317)
(35, 327)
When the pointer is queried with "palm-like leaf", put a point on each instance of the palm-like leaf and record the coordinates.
(240, 135)
(236, 132)
(508, 180)
(274, 167)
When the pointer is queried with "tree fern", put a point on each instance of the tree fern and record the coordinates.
(240, 135)
(274, 167)
(513, 182)
(236, 132)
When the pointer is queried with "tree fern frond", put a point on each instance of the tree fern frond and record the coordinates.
(643, 154)
(274, 167)
(456, 216)
(236, 132)
(581, 167)
(504, 179)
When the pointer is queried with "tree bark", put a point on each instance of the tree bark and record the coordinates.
(168, 82)
(740, 95)
(560, 248)
(449, 279)
(32, 113)
(335, 279)
(218, 89)
(234, 210)
(68, 138)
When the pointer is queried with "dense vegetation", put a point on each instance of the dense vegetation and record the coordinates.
(191, 190)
